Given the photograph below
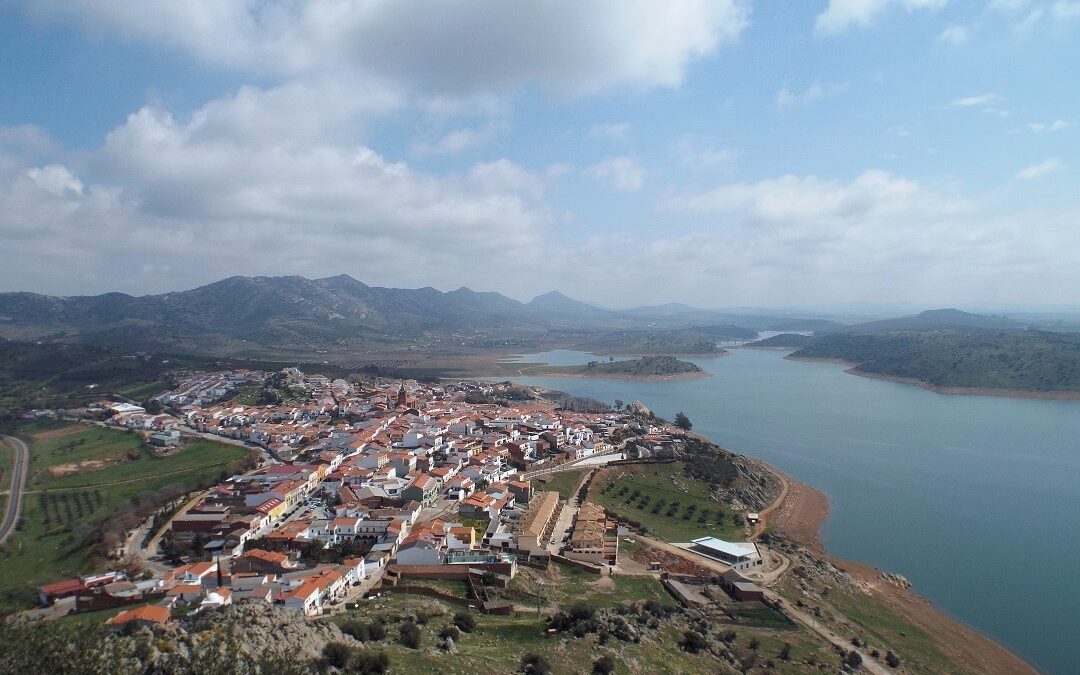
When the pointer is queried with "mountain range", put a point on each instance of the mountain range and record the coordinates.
(295, 311)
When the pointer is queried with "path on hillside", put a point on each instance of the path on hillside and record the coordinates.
(763, 516)
(20, 465)
(868, 662)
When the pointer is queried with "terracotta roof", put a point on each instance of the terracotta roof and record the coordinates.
(152, 613)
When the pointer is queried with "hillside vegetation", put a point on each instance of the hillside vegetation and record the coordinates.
(644, 367)
(1018, 360)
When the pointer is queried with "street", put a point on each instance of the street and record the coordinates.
(20, 462)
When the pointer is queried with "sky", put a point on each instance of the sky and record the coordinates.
(714, 152)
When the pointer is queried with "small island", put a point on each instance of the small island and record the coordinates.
(642, 368)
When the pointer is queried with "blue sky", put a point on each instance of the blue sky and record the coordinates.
(718, 152)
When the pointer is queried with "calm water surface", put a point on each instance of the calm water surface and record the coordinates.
(975, 499)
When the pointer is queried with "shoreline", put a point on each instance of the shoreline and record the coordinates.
(801, 514)
(853, 369)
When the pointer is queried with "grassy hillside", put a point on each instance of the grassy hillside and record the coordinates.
(62, 514)
(1021, 360)
(784, 341)
(671, 505)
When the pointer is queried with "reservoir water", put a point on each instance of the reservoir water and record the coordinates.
(975, 499)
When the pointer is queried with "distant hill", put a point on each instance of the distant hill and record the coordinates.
(784, 340)
(934, 320)
(252, 314)
(1023, 361)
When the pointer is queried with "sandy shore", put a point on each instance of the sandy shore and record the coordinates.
(801, 515)
(853, 369)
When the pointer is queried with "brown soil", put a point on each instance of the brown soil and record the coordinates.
(802, 514)
(85, 465)
(669, 562)
(57, 433)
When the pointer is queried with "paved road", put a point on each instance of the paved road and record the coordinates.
(20, 467)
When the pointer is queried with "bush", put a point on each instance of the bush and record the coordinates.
(370, 663)
(450, 633)
(409, 635)
(853, 659)
(534, 664)
(465, 621)
(337, 654)
(605, 665)
(892, 660)
(785, 652)
(377, 630)
(694, 641)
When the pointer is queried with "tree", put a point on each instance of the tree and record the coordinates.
(618, 404)
(853, 659)
(683, 422)
(605, 665)
(785, 652)
(535, 664)
(370, 663)
(465, 621)
(337, 654)
(694, 641)
(409, 635)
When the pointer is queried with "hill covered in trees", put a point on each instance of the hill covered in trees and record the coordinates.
(1022, 361)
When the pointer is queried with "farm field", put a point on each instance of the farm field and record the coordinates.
(669, 504)
(61, 514)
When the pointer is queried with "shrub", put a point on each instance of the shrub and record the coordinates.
(535, 664)
(370, 663)
(694, 641)
(785, 652)
(465, 621)
(337, 654)
(409, 635)
(853, 659)
(729, 636)
(377, 630)
(605, 665)
(892, 660)
(450, 633)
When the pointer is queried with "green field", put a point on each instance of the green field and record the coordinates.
(563, 483)
(60, 514)
(635, 492)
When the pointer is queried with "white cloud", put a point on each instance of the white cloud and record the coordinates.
(457, 140)
(1040, 169)
(979, 100)
(611, 131)
(1040, 127)
(697, 153)
(1066, 10)
(954, 36)
(56, 180)
(815, 92)
(807, 197)
(841, 15)
(987, 103)
(623, 173)
(457, 47)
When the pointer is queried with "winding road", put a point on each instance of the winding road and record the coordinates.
(20, 467)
